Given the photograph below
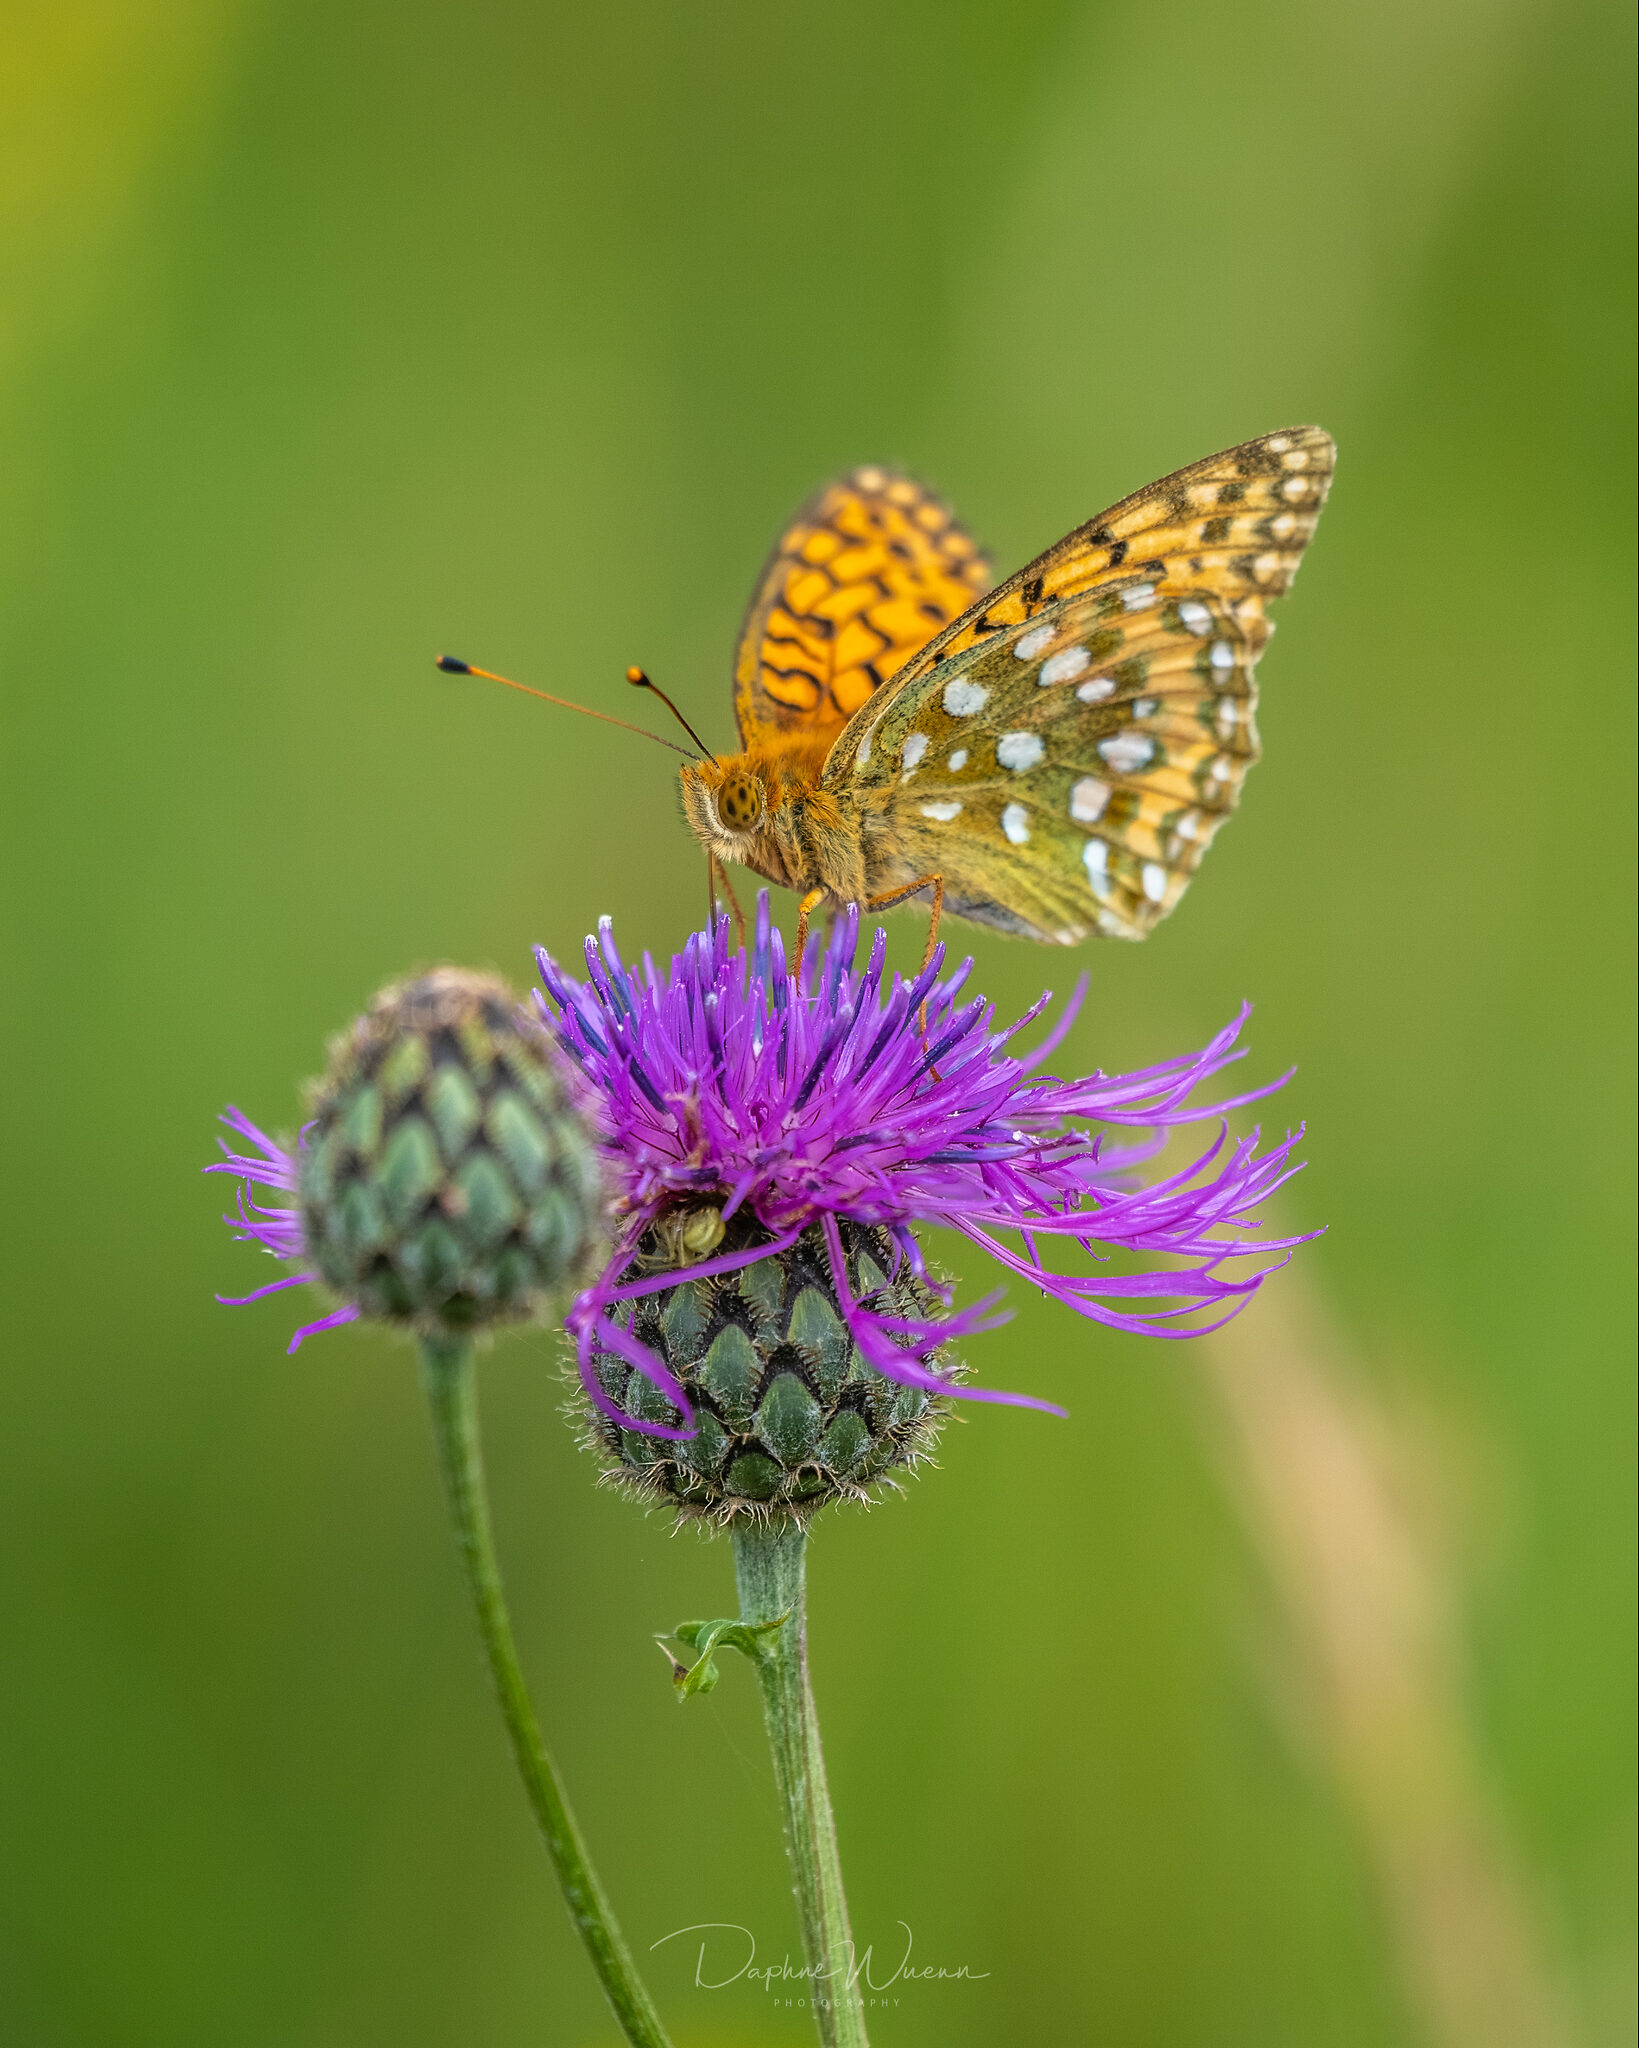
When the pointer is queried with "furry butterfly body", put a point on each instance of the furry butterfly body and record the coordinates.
(1050, 758)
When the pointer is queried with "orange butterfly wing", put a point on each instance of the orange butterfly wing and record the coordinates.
(868, 572)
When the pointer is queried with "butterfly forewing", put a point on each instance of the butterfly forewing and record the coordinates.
(867, 573)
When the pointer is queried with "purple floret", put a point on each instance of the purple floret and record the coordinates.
(802, 1100)
(278, 1231)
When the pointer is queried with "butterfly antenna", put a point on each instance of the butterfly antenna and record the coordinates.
(453, 666)
(640, 681)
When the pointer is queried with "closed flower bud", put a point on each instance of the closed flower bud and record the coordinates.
(444, 1179)
(787, 1413)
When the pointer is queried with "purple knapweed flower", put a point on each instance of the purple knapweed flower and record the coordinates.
(812, 1099)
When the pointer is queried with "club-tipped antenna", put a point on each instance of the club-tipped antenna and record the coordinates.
(639, 680)
(452, 665)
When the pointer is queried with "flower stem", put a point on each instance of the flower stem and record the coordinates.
(768, 1568)
(447, 1366)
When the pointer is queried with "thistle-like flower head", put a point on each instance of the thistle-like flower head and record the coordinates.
(727, 1087)
(444, 1180)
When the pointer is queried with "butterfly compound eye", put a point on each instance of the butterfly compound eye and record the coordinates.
(737, 803)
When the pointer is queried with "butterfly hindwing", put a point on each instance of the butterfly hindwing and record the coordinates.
(867, 573)
(1064, 756)
(1067, 778)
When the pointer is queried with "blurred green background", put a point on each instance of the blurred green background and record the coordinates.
(337, 335)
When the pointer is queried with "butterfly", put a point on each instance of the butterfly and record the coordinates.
(1050, 757)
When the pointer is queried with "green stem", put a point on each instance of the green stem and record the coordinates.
(453, 1391)
(768, 1568)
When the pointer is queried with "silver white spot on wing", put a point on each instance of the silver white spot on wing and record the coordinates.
(1222, 655)
(1127, 752)
(958, 760)
(1139, 597)
(864, 753)
(1195, 616)
(1095, 691)
(942, 810)
(1145, 707)
(1087, 799)
(1155, 880)
(1032, 643)
(1019, 750)
(963, 698)
(910, 754)
(1096, 858)
(1016, 823)
(1064, 667)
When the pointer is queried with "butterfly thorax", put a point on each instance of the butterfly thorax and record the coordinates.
(766, 810)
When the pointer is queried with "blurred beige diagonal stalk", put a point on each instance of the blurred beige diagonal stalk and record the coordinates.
(1320, 1477)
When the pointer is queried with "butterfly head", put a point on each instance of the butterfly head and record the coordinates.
(726, 803)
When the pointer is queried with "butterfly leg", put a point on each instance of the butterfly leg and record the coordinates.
(890, 897)
(805, 910)
(733, 903)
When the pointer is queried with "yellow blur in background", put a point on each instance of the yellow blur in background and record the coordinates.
(1280, 1697)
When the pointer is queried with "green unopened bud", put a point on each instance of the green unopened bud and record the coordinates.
(790, 1415)
(446, 1180)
